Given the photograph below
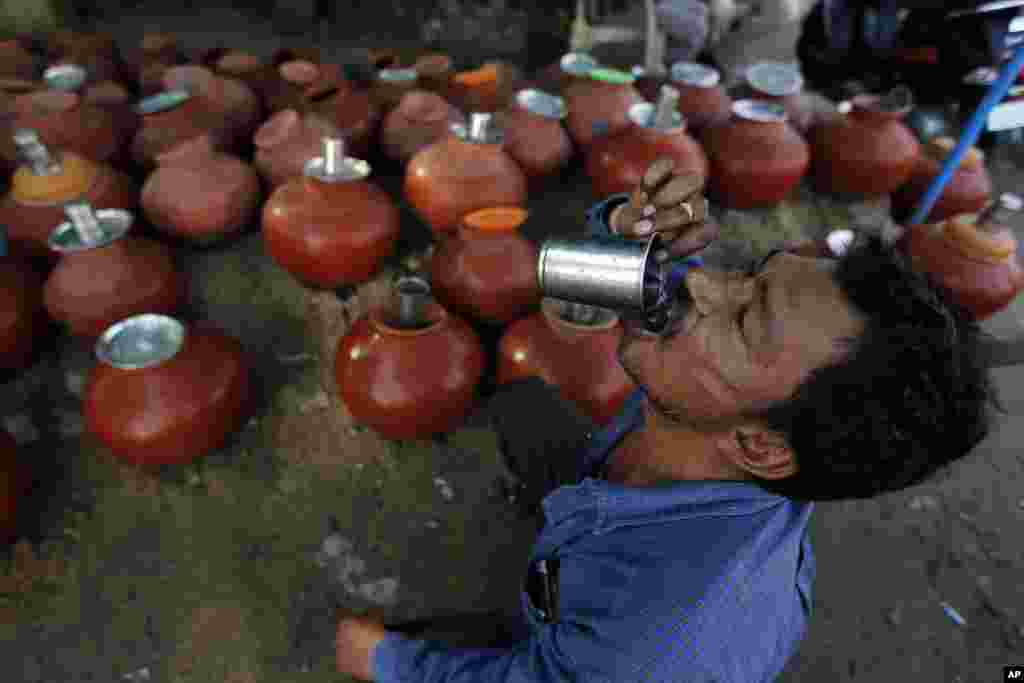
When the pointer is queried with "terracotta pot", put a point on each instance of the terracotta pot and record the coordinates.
(488, 271)
(868, 152)
(23, 321)
(247, 68)
(703, 101)
(64, 119)
(420, 119)
(353, 113)
(617, 163)
(976, 259)
(391, 85)
(286, 142)
(15, 484)
(534, 134)
(572, 348)
(96, 52)
(757, 159)
(969, 189)
(435, 72)
(293, 84)
(599, 108)
(201, 194)
(155, 53)
(164, 394)
(116, 99)
(557, 76)
(384, 381)
(779, 83)
(489, 88)
(17, 62)
(330, 227)
(41, 188)
(105, 275)
(465, 171)
(174, 117)
(239, 107)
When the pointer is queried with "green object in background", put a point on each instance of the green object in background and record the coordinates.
(30, 16)
(612, 76)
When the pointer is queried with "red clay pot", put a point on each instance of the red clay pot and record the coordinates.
(23, 321)
(112, 276)
(175, 410)
(435, 71)
(488, 271)
(578, 357)
(534, 134)
(617, 163)
(969, 189)
(237, 104)
(353, 113)
(782, 84)
(757, 159)
(17, 62)
(15, 484)
(385, 383)
(154, 54)
(703, 101)
(330, 229)
(598, 108)
(980, 267)
(286, 142)
(391, 85)
(555, 77)
(116, 99)
(171, 118)
(420, 119)
(868, 152)
(465, 171)
(201, 194)
(247, 68)
(35, 204)
(96, 52)
(64, 119)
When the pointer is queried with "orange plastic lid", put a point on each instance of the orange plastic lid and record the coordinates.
(496, 219)
(939, 148)
(76, 177)
(488, 73)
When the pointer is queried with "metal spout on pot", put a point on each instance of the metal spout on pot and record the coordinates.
(413, 294)
(85, 222)
(1000, 210)
(480, 126)
(34, 153)
(665, 110)
(334, 154)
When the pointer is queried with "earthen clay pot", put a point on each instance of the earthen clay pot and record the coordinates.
(237, 104)
(162, 393)
(756, 159)
(107, 275)
(572, 348)
(391, 85)
(780, 83)
(489, 88)
(16, 61)
(173, 117)
(293, 84)
(969, 189)
(420, 119)
(979, 264)
(435, 71)
(465, 171)
(703, 101)
(200, 194)
(65, 119)
(555, 77)
(96, 52)
(23, 321)
(487, 271)
(384, 381)
(15, 485)
(286, 142)
(534, 134)
(247, 68)
(354, 114)
(868, 152)
(617, 163)
(597, 107)
(154, 54)
(330, 227)
(40, 189)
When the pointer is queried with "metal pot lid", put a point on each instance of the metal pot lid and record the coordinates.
(140, 341)
(114, 224)
(349, 169)
(542, 104)
(642, 114)
(777, 79)
(164, 101)
(613, 76)
(694, 74)
(758, 110)
(578, 63)
(398, 75)
(67, 77)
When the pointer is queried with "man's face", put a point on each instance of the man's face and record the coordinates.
(748, 341)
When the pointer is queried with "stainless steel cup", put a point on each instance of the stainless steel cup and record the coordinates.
(612, 272)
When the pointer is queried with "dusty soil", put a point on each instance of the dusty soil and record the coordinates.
(234, 568)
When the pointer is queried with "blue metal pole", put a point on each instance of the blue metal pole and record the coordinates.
(996, 92)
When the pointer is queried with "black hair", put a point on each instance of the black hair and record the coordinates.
(910, 395)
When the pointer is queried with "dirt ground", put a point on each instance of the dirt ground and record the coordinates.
(233, 569)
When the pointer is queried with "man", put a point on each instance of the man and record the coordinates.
(675, 546)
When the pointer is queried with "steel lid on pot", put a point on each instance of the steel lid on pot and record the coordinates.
(67, 77)
(113, 224)
(694, 74)
(760, 111)
(776, 79)
(163, 101)
(542, 103)
(141, 341)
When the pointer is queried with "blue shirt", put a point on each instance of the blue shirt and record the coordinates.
(693, 581)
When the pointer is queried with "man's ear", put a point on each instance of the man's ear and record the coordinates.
(758, 451)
